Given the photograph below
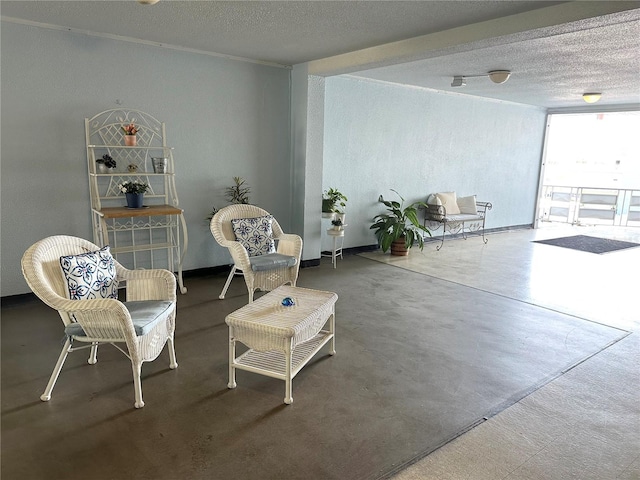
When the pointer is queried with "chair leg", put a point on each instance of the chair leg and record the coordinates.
(46, 396)
(93, 356)
(444, 228)
(137, 384)
(483, 239)
(226, 285)
(173, 364)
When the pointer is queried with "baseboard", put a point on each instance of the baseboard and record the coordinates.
(438, 236)
(16, 300)
(20, 299)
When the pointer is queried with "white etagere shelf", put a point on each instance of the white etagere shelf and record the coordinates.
(154, 236)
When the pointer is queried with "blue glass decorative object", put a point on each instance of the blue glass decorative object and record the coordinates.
(288, 302)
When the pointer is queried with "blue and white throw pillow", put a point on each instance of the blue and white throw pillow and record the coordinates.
(255, 234)
(90, 275)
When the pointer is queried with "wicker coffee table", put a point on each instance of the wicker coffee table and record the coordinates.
(281, 339)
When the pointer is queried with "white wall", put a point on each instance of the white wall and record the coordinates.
(379, 137)
(225, 118)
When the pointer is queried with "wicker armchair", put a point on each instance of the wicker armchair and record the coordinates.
(264, 272)
(145, 322)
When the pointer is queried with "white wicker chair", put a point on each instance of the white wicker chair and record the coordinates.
(256, 278)
(104, 320)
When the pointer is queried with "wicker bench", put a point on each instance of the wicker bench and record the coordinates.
(455, 214)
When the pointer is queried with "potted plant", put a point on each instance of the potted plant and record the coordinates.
(134, 192)
(238, 193)
(334, 201)
(130, 139)
(105, 164)
(337, 224)
(399, 228)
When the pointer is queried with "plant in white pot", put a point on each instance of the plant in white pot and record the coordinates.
(106, 164)
(399, 228)
(337, 224)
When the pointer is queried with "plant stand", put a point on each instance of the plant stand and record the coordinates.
(154, 236)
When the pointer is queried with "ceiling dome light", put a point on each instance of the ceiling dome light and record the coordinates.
(591, 97)
(499, 76)
(148, 2)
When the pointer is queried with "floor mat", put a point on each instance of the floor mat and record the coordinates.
(589, 244)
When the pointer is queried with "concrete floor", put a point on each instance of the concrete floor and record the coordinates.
(586, 423)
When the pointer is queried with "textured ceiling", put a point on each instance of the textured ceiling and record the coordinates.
(555, 55)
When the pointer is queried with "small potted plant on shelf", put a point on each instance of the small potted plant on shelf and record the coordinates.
(130, 131)
(399, 228)
(106, 164)
(337, 224)
(134, 192)
(334, 201)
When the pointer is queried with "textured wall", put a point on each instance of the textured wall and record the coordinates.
(380, 137)
(224, 118)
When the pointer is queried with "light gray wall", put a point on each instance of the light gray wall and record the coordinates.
(289, 136)
(380, 136)
(225, 118)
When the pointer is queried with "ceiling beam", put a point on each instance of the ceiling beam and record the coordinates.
(543, 22)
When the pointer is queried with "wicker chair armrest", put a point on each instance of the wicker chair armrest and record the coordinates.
(155, 284)
(239, 255)
(290, 244)
(101, 317)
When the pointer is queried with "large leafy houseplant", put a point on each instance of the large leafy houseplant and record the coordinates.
(399, 222)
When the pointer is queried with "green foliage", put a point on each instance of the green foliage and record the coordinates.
(108, 161)
(235, 194)
(334, 201)
(133, 187)
(399, 222)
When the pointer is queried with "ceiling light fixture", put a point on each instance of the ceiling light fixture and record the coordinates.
(496, 76)
(591, 97)
(499, 76)
(148, 2)
(458, 81)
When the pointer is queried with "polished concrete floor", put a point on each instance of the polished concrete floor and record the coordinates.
(586, 423)
(583, 424)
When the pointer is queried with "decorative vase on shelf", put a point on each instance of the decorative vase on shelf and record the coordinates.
(159, 164)
(130, 140)
(134, 200)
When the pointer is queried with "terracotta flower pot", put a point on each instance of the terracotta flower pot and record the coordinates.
(130, 140)
(398, 247)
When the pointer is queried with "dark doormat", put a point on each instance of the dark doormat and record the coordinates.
(586, 243)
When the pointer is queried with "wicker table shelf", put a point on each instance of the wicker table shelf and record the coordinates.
(281, 340)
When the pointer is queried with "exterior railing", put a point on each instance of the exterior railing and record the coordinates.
(590, 206)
